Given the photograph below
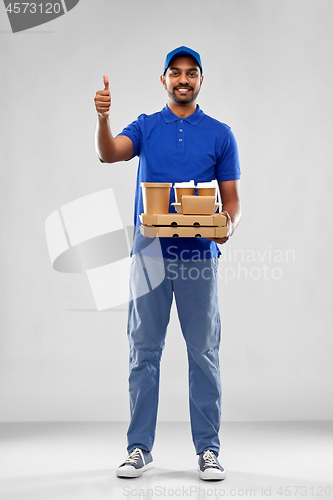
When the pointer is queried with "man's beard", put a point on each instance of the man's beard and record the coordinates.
(173, 96)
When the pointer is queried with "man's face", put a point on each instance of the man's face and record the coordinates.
(182, 80)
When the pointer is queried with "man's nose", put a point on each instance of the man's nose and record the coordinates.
(183, 78)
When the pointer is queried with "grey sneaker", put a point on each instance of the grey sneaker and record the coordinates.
(137, 462)
(209, 466)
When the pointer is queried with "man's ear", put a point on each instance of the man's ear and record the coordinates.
(162, 78)
(201, 80)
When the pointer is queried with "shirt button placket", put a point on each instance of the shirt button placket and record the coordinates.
(180, 136)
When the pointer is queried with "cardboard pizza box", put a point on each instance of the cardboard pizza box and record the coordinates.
(176, 220)
(183, 231)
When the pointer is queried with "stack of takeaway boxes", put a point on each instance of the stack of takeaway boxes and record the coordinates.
(195, 215)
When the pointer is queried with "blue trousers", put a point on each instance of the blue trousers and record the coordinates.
(194, 286)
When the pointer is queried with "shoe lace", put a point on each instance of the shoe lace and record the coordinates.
(209, 459)
(133, 456)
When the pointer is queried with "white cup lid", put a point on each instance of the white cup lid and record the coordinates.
(211, 184)
(189, 184)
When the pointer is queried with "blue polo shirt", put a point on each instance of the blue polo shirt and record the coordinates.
(173, 149)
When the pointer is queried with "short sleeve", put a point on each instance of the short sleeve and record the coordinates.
(133, 132)
(227, 167)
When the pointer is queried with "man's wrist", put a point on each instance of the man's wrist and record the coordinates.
(102, 118)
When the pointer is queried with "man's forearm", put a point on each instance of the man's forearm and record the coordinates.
(104, 142)
(234, 209)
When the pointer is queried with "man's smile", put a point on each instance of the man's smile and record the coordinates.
(183, 90)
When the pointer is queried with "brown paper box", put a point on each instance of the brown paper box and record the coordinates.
(204, 205)
(183, 231)
(183, 220)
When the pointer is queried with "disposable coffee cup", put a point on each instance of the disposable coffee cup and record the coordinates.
(156, 197)
(207, 188)
(183, 188)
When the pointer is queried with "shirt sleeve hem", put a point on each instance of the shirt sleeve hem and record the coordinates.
(228, 178)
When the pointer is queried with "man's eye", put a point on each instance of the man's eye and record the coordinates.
(193, 75)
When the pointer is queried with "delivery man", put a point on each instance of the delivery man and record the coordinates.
(177, 144)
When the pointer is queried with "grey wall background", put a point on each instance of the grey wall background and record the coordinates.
(268, 74)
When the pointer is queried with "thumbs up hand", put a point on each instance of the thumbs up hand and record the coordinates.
(103, 99)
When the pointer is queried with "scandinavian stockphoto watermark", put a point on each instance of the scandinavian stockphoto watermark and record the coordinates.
(25, 15)
(87, 235)
(234, 264)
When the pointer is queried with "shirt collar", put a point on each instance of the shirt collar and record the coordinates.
(193, 119)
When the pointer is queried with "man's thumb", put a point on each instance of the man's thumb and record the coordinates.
(106, 82)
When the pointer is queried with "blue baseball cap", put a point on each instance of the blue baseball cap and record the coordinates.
(182, 51)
